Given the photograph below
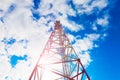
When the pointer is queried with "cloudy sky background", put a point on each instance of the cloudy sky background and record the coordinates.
(91, 25)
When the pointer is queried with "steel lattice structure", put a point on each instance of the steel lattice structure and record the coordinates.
(58, 60)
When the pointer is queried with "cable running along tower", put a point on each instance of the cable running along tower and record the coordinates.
(58, 60)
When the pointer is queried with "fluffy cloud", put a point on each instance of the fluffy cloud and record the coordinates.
(103, 21)
(87, 6)
(87, 43)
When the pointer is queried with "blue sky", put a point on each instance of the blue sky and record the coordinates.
(91, 25)
(106, 57)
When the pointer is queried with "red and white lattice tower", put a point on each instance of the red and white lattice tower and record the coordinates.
(58, 60)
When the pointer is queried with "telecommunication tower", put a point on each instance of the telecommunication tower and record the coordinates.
(58, 60)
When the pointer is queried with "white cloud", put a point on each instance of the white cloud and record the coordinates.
(4, 64)
(78, 2)
(103, 21)
(93, 37)
(64, 9)
(83, 45)
(19, 25)
(94, 27)
(85, 58)
(87, 8)
(71, 25)
(71, 37)
(86, 44)
(100, 4)
(6, 4)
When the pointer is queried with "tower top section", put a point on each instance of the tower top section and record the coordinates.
(57, 25)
